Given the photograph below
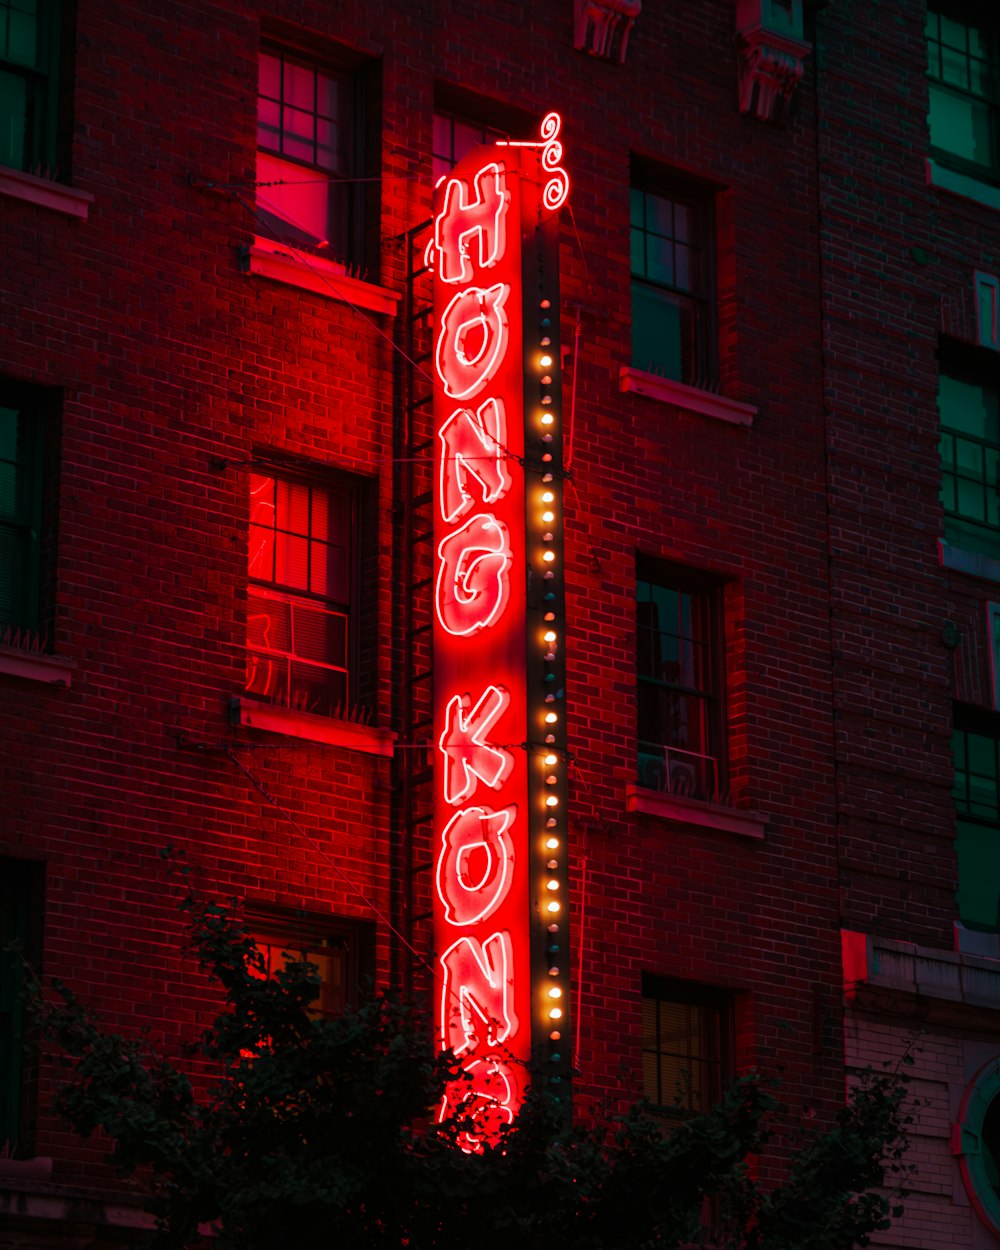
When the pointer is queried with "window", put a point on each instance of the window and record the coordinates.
(25, 507)
(454, 136)
(963, 45)
(970, 454)
(20, 937)
(679, 680)
(341, 950)
(687, 1053)
(976, 1142)
(976, 791)
(29, 84)
(673, 306)
(303, 600)
(312, 191)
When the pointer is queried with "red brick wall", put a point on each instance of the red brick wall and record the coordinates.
(171, 359)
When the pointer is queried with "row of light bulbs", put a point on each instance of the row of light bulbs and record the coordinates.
(552, 905)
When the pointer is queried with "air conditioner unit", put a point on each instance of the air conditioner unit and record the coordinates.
(691, 775)
(653, 772)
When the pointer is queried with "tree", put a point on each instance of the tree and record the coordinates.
(311, 1132)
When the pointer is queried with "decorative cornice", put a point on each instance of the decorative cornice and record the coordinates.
(771, 66)
(602, 27)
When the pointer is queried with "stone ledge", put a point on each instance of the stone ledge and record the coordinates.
(963, 185)
(690, 398)
(323, 729)
(879, 971)
(693, 812)
(972, 563)
(269, 259)
(69, 201)
(51, 670)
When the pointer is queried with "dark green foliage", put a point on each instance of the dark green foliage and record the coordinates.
(313, 1133)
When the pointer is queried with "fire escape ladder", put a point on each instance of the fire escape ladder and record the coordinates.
(413, 520)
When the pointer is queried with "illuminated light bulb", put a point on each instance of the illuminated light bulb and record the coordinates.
(545, 304)
(555, 992)
(552, 844)
(547, 418)
(548, 517)
(551, 800)
(546, 456)
(547, 496)
(546, 362)
(555, 1036)
(552, 885)
(553, 864)
(555, 1013)
(547, 380)
(549, 616)
(548, 555)
(549, 635)
(551, 759)
(552, 780)
(553, 906)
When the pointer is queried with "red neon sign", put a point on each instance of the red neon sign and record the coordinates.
(481, 877)
(488, 895)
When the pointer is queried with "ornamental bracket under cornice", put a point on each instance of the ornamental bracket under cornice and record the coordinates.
(602, 27)
(772, 53)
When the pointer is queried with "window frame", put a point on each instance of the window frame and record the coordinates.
(32, 525)
(976, 367)
(355, 494)
(974, 817)
(302, 933)
(965, 13)
(354, 247)
(706, 594)
(704, 998)
(441, 162)
(43, 95)
(677, 190)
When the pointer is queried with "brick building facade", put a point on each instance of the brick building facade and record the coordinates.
(781, 552)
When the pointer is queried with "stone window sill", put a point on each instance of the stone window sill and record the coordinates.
(964, 185)
(268, 259)
(37, 1169)
(693, 812)
(51, 670)
(690, 398)
(325, 729)
(973, 563)
(46, 194)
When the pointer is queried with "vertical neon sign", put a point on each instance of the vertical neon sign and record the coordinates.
(497, 745)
